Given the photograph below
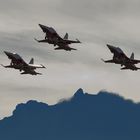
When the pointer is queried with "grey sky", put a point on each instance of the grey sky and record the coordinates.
(94, 22)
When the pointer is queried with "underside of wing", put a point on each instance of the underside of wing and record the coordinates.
(30, 71)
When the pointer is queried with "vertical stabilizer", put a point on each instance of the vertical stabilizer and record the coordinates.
(31, 61)
(132, 56)
(66, 36)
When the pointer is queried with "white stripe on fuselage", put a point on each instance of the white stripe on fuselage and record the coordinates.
(35, 66)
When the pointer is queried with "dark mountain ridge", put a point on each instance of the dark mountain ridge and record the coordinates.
(104, 116)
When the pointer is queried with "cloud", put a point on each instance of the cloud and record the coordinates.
(100, 8)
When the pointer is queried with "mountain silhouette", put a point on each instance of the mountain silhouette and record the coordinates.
(105, 116)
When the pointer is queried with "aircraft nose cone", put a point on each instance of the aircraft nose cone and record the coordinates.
(110, 47)
(7, 53)
(41, 26)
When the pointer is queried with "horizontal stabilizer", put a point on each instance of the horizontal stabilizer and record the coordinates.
(65, 48)
(34, 73)
(124, 68)
(131, 68)
(58, 48)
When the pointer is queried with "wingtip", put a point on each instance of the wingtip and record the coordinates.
(78, 40)
(39, 24)
(103, 60)
(2, 65)
(36, 39)
(108, 45)
(43, 66)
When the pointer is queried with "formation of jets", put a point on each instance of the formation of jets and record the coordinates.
(52, 37)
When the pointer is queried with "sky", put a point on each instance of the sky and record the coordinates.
(94, 22)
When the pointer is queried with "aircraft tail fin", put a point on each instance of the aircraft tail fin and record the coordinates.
(31, 61)
(132, 56)
(66, 36)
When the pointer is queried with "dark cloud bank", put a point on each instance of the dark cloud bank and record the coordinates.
(104, 116)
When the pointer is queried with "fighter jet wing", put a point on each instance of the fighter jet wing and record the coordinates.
(44, 40)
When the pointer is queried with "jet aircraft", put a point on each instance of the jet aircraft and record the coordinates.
(18, 63)
(119, 57)
(52, 37)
